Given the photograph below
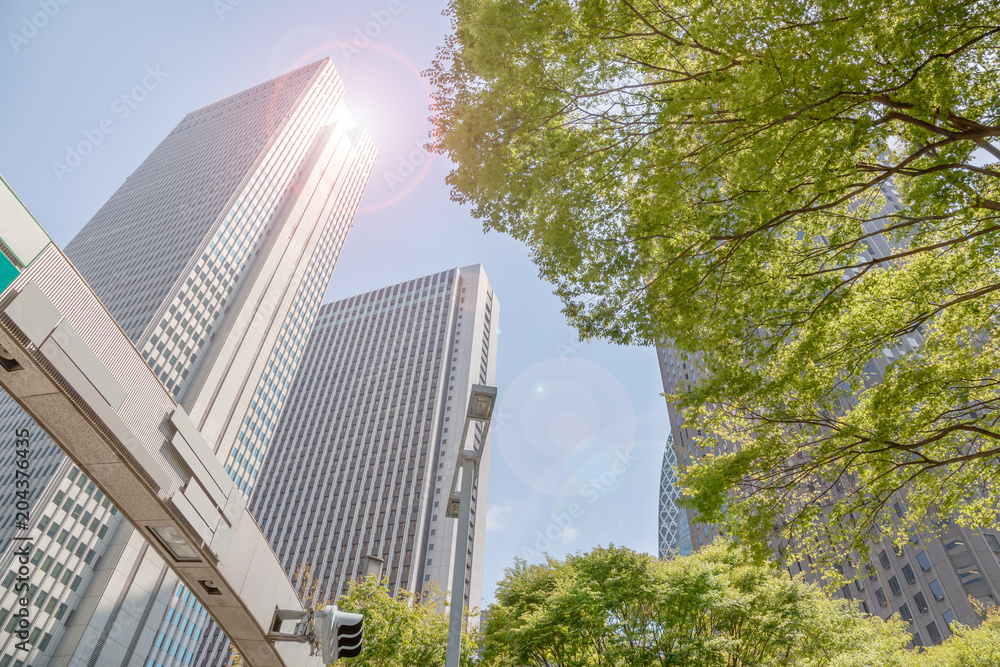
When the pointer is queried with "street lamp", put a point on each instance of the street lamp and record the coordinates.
(373, 566)
(481, 402)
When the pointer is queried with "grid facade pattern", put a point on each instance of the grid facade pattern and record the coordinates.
(168, 255)
(181, 630)
(929, 583)
(70, 534)
(216, 274)
(174, 199)
(674, 535)
(679, 375)
(367, 443)
(261, 418)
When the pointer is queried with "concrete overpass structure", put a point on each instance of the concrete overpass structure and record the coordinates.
(69, 365)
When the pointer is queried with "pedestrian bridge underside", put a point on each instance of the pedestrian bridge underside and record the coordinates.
(75, 372)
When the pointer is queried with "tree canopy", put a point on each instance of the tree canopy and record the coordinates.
(718, 607)
(800, 195)
(968, 647)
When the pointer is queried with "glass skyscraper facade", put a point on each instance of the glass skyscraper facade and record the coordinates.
(674, 534)
(213, 257)
(366, 447)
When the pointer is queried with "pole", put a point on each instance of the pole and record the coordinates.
(461, 562)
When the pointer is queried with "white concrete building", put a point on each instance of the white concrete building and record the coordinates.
(366, 447)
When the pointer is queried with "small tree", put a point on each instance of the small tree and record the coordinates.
(404, 630)
(967, 647)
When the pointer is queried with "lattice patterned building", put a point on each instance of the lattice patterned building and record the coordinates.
(674, 535)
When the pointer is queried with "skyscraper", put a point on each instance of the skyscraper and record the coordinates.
(674, 535)
(678, 376)
(366, 447)
(929, 583)
(213, 257)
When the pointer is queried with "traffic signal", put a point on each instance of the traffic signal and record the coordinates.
(339, 633)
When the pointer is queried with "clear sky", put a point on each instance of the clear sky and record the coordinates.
(580, 428)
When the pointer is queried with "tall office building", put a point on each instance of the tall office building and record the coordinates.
(213, 257)
(678, 376)
(674, 534)
(366, 447)
(928, 583)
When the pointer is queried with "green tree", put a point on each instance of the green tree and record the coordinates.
(404, 630)
(787, 191)
(968, 647)
(719, 607)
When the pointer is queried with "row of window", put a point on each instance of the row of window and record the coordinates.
(250, 449)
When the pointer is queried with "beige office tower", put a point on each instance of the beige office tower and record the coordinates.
(365, 450)
(929, 584)
(213, 256)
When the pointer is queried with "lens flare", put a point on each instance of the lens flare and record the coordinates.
(566, 427)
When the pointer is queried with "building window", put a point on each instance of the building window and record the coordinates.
(880, 596)
(904, 613)
(932, 632)
(969, 574)
(908, 574)
(949, 618)
(894, 586)
(883, 558)
(936, 590)
(920, 603)
(924, 561)
(955, 546)
(991, 541)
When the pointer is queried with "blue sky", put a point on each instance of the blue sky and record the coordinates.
(580, 428)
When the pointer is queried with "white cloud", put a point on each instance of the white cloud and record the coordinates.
(569, 534)
(498, 516)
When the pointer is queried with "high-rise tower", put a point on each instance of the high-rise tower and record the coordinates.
(674, 534)
(366, 447)
(213, 257)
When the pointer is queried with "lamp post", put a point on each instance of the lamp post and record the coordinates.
(373, 566)
(480, 409)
